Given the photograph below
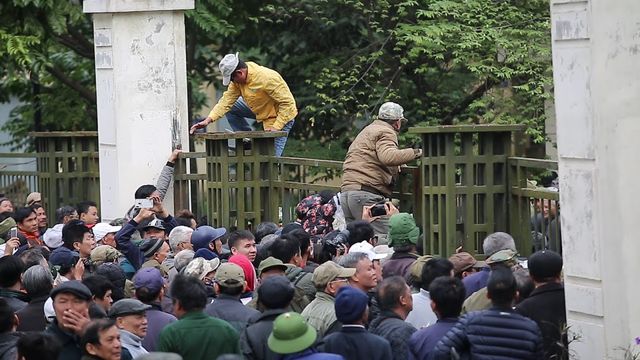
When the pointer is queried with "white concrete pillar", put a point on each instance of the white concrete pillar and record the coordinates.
(141, 87)
(596, 63)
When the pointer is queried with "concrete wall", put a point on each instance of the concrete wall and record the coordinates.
(142, 94)
(596, 55)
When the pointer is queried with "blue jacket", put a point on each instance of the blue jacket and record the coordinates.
(424, 340)
(354, 343)
(131, 250)
(311, 354)
(492, 334)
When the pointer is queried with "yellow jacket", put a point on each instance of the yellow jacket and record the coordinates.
(267, 95)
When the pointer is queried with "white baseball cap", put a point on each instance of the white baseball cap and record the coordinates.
(227, 66)
(100, 230)
(365, 247)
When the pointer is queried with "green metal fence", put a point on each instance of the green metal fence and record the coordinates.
(464, 184)
(468, 183)
(534, 211)
(67, 170)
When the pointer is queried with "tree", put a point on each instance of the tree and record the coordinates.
(480, 61)
(48, 65)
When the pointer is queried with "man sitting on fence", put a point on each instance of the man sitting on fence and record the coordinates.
(373, 164)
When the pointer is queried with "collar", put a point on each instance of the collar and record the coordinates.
(155, 305)
(270, 314)
(63, 335)
(252, 69)
(403, 255)
(501, 309)
(448, 320)
(9, 293)
(228, 298)
(321, 295)
(548, 287)
(390, 314)
(196, 314)
(353, 328)
(130, 338)
(383, 123)
(425, 293)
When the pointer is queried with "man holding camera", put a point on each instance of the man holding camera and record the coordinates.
(372, 166)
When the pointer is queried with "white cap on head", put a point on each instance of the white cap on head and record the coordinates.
(365, 247)
(227, 66)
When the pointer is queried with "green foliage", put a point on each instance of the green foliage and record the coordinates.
(444, 61)
(47, 62)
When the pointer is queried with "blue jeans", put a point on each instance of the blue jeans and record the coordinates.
(238, 116)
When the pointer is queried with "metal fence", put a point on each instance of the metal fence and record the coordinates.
(67, 170)
(467, 185)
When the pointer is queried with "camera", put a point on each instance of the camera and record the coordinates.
(378, 209)
(334, 243)
(13, 233)
(143, 204)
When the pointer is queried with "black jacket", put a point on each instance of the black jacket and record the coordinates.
(253, 339)
(395, 330)
(32, 316)
(354, 343)
(231, 310)
(546, 306)
(492, 334)
(70, 342)
(8, 350)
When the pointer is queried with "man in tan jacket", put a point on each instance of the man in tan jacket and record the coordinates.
(372, 165)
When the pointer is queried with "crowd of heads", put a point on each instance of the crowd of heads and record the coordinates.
(98, 280)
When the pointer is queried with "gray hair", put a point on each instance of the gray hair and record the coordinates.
(62, 212)
(496, 242)
(182, 259)
(351, 260)
(37, 280)
(178, 235)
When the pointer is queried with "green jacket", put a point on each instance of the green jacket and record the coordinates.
(476, 302)
(321, 313)
(198, 336)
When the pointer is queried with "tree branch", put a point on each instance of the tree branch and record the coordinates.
(87, 94)
(477, 93)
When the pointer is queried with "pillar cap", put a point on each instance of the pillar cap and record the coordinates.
(121, 6)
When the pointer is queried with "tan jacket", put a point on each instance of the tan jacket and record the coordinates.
(373, 159)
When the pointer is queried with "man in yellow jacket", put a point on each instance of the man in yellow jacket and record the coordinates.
(254, 92)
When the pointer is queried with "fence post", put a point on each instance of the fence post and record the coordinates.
(464, 184)
(68, 169)
(239, 191)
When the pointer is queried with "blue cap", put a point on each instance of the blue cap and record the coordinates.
(350, 304)
(202, 236)
(62, 256)
(149, 278)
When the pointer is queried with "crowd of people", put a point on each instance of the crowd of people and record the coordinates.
(347, 279)
(155, 286)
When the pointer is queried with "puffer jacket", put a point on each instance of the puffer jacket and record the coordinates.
(492, 334)
(397, 332)
(373, 159)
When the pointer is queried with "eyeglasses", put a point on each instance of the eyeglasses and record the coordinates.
(339, 280)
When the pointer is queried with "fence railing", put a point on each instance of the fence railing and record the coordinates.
(67, 170)
(534, 211)
(467, 185)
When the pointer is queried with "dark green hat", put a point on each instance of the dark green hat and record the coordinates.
(403, 230)
(291, 334)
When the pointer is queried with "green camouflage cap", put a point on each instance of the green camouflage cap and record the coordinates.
(507, 256)
(391, 111)
(270, 263)
(104, 253)
(403, 230)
